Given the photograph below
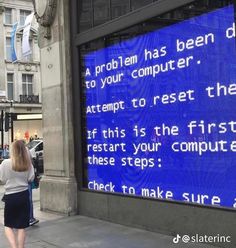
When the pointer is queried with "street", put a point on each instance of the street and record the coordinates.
(56, 231)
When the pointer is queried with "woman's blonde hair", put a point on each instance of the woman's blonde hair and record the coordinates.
(20, 156)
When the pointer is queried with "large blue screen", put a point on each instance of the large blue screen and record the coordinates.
(160, 113)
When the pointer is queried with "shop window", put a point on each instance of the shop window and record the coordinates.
(156, 38)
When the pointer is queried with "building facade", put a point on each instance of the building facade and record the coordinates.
(90, 37)
(20, 80)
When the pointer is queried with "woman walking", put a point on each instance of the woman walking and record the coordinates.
(15, 173)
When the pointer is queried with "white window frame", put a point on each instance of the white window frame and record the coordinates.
(8, 49)
(23, 14)
(27, 83)
(12, 83)
(6, 13)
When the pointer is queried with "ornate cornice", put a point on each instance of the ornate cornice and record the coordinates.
(47, 18)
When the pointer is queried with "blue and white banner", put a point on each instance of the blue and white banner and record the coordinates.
(13, 38)
(26, 50)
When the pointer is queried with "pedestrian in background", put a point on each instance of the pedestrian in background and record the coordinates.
(5, 152)
(33, 185)
(16, 173)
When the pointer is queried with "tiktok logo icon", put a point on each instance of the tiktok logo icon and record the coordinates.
(176, 239)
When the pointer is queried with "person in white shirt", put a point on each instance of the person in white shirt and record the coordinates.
(16, 173)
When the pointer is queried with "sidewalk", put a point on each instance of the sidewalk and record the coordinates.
(55, 231)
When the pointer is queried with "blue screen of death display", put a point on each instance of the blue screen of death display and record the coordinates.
(160, 113)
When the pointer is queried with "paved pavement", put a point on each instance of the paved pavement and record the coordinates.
(55, 231)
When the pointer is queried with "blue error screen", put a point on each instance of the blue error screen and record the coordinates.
(159, 110)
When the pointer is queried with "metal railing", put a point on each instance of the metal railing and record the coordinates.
(29, 98)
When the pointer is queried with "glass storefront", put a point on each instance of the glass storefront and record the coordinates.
(158, 118)
(95, 12)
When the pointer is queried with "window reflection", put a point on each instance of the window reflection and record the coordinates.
(85, 12)
(101, 11)
(95, 12)
(135, 4)
(119, 7)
